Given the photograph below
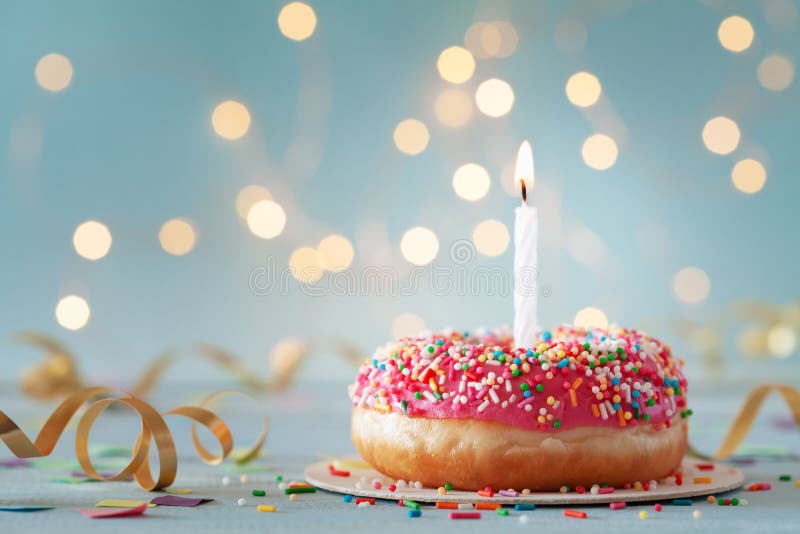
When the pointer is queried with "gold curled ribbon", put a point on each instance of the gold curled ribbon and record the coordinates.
(154, 430)
(58, 376)
(747, 415)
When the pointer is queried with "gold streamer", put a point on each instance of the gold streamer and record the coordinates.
(58, 376)
(746, 417)
(154, 430)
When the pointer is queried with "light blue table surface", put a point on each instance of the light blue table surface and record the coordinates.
(314, 418)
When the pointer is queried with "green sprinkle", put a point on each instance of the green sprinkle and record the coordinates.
(635, 370)
(404, 405)
(431, 349)
(539, 388)
(623, 356)
(448, 486)
(279, 478)
(259, 493)
(515, 372)
(647, 417)
(524, 386)
(603, 360)
(502, 511)
(651, 402)
(586, 346)
(721, 502)
(620, 350)
(437, 395)
(611, 356)
(410, 504)
(591, 365)
(785, 478)
(417, 395)
(465, 366)
(400, 366)
(735, 501)
(556, 423)
(289, 491)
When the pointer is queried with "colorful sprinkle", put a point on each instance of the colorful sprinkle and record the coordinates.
(259, 493)
(681, 502)
(301, 489)
(414, 513)
(502, 511)
(577, 514)
(617, 505)
(266, 508)
(465, 515)
(524, 507)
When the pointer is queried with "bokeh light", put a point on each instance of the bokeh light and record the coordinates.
(471, 182)
(230, 120)
(305, 264)
(590, 317)
(691, 285)
(491, 39)
(53, 72)
(736, 33)
(781, 340)
(419, 245)
(749, 176)
(248, 197)
(453, 107)
(72, 312)
(297, 21)
(411, 137)
(407, 325)
(456, 64)
(494, 97)
(775, 72)
(336, 252)
(599, 152)
(570, 36)
(491, 237)
(721, 135)
(266, 219)
(177, 236)
(92, 240)
(583, 89)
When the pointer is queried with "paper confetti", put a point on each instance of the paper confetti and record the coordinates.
(122, 503)
(93, 513)
(178, 491)
(14, 462)
(174, 500)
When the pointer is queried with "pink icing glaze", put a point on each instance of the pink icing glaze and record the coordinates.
(619, 378)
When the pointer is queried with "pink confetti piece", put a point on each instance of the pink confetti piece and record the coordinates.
(94, 513)
(174, 500)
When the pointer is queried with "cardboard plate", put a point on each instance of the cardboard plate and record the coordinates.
(723, 478)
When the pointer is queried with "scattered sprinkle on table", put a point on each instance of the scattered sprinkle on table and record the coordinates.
(697, 514)
(522, 507)
(617, 505)
(410, 504)
(302, 489)
(447, 505)
(785, 478)
(348, 498)
(242, 501)
(259, 493)
(681, 502)
(266, 508)
(577, 514)
(502, 511)
(414, 513)
(465, 515)
(658, 507)
(642, 515)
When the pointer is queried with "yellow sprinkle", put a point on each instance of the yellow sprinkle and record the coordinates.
(178, 491)
(797, 483)
(266, 508)
(702, 480)
(642, 515)
(442, 490)
(551, 400)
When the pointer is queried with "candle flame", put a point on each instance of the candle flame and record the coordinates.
(524, 168)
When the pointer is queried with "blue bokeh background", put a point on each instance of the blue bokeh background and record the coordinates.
(130, 143)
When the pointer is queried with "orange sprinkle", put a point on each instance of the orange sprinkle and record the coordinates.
(447, 505)
(577, 382)
(486, 506)
(573, 398)
(621, 417)
(702, 480)
(300, 485)
(595, 410)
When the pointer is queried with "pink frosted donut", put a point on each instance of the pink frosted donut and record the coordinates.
(579, 408)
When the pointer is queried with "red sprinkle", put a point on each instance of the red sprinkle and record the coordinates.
(365, 499)
(604, 491)
(392, 487)
(657, 507)
(704, 467)
(465, 515)
(336, 472)
(617, 505)
(577, 514)
(486, 492)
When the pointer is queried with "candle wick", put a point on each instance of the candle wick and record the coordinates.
(524, 191)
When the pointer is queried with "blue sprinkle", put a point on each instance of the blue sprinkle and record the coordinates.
(375, 362)
(563, 363)
(524, 507)
(414, 513)
(636, 347)
(682, 502)
(529, 353)
(616, 406)
(517, 361)
(635, 404)
(603, 338)
(635, 393)
(674, 382)
(348, 498)
(527, 393)
(666, 381)
(547, 335)
(498, 353)
(440, 342)
(615, 381)
(383, 367)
